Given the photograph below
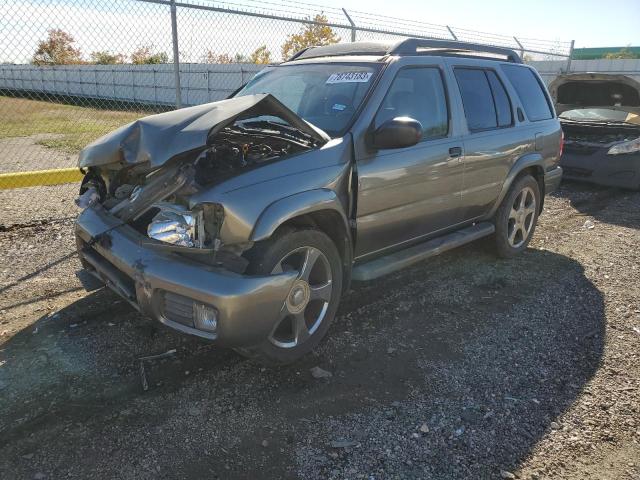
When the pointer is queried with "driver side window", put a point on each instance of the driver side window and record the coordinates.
(417, 92)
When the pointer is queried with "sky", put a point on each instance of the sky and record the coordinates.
(591, 23)
(121, 26)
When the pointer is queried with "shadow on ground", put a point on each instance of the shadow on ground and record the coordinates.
(605, 204)
(485, 353)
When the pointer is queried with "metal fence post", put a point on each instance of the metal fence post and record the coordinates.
(353, 25)
(176, 54)
(455, 37)
(570, 56)
(521, 48)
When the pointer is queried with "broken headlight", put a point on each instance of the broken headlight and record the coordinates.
(176, 225)
(631, 146)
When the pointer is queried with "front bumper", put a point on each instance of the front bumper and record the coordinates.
(595, 166)
(165, 285)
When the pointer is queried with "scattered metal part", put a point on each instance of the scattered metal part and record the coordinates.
(143, 373)
(343, 444)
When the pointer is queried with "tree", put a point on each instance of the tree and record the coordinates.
(212, 57)
(107, 58)
(57, 49)
(261, 56)
(225, 58)
(310, 35)
(623, 53)
(146, 55)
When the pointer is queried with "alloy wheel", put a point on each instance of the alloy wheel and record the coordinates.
(521, 217)
(308, 300)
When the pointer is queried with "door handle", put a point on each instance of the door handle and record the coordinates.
(455, 152)
(455, 156)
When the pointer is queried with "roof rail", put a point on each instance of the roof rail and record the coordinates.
(412, 46)
(339, 49)
(409, 46)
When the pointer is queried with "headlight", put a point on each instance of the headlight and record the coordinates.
(176, 225)
(625, 147)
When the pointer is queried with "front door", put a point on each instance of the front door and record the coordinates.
(408, 193)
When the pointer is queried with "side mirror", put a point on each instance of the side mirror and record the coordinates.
(399, 132)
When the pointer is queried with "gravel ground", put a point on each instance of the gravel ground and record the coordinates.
(22, 154)
(35, 204)
(461, 367)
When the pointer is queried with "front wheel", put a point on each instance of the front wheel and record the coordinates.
(310, 305)
(517, 216)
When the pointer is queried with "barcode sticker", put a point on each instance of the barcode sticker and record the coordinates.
(349, 77)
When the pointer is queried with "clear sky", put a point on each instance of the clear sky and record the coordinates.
(591, 23)
(123, 25)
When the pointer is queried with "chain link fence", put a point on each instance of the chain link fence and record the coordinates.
(73, 70)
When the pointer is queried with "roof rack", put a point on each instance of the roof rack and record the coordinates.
(409, 46)
(412, 46)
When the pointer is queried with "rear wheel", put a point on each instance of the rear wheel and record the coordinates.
(517, 216)
(310, 305)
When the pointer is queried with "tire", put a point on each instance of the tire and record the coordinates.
(517, 216)
(304, 320)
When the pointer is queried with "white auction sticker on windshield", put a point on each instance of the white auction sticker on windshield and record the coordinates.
(349, 77)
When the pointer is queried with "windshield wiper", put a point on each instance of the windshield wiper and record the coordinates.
(283, 129)
(299, 138)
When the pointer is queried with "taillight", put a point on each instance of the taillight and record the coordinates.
(561, 143)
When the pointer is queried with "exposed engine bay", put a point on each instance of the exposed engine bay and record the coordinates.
(598, 134)
(245, 145)
(156, 204)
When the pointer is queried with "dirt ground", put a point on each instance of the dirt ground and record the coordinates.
(461, 367)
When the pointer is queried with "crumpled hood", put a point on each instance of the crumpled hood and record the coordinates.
(158, 138)
(595, 90)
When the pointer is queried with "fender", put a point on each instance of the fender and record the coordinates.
(293, 206)
(528, 160)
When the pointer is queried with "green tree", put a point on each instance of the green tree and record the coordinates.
(261, 56)
(57, 49)
(147, 55)
(213, 57)
(107, 58)
(225, 58)
(623, 53)
(310, 35)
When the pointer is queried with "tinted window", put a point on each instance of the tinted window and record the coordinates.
(500, 98)
(530, 92)
(417, 93)
(477, 98)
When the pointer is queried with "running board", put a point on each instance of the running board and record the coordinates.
(399, 260)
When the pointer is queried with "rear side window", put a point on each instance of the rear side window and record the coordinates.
(417, 92)
(477, 99)
(501, 99)
(528, 87)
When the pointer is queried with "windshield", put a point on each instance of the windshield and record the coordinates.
(326, 95)
(600, 115)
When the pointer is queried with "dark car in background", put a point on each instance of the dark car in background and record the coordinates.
(243, 221)
(600, 117)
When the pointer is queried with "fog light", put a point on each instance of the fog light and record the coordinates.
(205, 317)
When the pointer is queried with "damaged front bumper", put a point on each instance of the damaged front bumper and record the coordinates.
(595, 166)
(174, 289)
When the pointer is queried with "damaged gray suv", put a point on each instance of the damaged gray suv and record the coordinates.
(243, 221)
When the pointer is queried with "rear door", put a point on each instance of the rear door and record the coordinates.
(491, 144)
(408, 193)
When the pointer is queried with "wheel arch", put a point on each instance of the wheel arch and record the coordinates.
(320, 209)
(532, 164)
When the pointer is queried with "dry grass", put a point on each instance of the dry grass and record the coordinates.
(73, 126)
